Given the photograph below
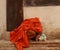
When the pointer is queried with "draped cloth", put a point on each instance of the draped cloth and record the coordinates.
(19, 36)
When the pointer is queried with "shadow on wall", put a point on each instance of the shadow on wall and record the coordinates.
(5, 36)
(52, 33)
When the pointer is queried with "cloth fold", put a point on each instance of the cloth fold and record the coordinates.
(19, 36)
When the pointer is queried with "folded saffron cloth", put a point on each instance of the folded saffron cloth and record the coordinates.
(19, 36)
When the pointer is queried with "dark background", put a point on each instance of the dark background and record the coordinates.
(14, 14)
(41, 2)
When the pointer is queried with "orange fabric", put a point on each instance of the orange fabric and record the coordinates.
(19, 36)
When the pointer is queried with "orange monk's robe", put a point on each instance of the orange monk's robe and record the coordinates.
(19, 36)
